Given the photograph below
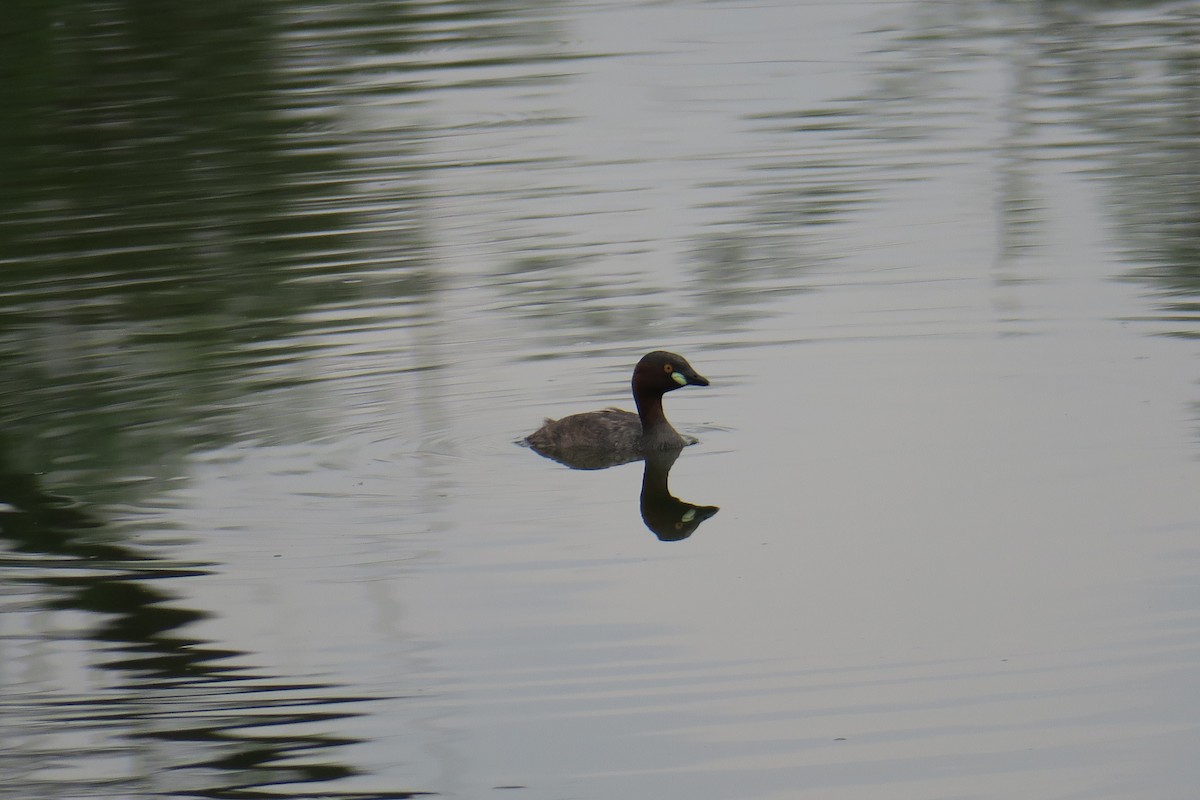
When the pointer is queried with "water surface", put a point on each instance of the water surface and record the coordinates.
(284, 283)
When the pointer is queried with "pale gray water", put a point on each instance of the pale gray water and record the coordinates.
(285, 283)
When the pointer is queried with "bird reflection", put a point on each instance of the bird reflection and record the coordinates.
(667, 517)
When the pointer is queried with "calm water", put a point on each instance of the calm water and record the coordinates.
(284, 283)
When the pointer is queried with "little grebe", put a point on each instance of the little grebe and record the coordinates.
(623, 432)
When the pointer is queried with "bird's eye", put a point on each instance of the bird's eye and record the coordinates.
(668, 368)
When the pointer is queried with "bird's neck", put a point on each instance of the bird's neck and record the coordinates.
(650, 409)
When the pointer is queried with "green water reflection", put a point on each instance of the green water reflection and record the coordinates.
(177, 189)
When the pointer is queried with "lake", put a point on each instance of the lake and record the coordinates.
(286, 284)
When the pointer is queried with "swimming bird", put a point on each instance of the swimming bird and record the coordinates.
(614, 436)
